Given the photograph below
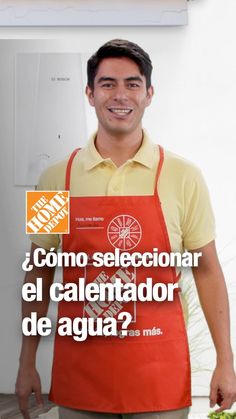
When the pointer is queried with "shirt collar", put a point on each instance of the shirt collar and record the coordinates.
(144, 156)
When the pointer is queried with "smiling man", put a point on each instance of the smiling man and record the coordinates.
(120, 93)
(129, 194)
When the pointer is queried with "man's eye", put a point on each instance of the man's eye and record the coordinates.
(133, 85)
(108, 85)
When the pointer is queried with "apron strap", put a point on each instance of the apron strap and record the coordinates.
(68, 168)
(159, 167)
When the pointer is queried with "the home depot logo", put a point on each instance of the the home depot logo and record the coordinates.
(47, 212)
(124, 232)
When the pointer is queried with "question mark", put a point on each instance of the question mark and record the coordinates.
(126, 322)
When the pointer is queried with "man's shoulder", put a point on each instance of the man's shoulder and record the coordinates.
(53, 178)
(180, 166)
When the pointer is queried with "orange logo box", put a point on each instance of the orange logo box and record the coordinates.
(47, 212)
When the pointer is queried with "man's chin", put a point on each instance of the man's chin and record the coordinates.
(121, 130)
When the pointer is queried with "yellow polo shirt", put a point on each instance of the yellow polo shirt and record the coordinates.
(182, 190)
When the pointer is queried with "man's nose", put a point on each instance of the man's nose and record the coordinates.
(120, 93)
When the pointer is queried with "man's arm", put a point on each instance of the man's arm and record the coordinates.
(213, 297)
(28, 379)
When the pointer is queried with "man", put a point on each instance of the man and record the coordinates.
(136, 197)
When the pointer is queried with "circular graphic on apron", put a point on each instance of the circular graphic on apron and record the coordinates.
(124, 232)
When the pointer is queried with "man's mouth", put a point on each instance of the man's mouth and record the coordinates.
(120, 111)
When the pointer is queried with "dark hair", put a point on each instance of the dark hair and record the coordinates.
(120, 48)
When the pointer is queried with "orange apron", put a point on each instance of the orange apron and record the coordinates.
(148, 370)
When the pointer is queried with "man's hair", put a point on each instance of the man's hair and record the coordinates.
(120, 48)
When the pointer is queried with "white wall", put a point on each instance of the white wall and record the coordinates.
(92, 12)
(193, 113)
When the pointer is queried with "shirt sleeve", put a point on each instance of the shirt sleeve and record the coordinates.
(198, 225)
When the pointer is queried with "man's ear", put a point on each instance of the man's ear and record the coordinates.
(89, 94)
(150, 93)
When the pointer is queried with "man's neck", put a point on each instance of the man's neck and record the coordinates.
(118, 148)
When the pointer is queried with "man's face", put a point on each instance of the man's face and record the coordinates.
(120, 96)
